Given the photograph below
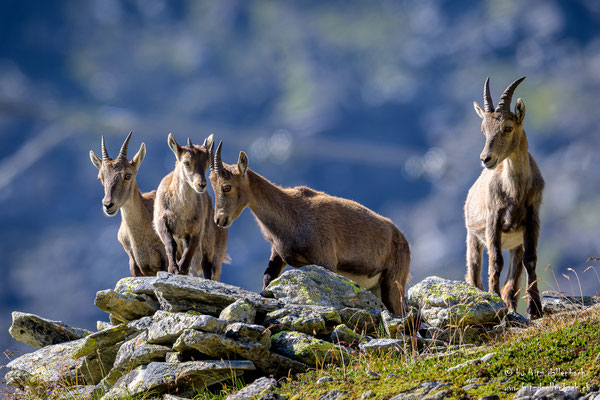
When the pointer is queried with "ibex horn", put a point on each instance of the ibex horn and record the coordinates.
(506, 97)
(123, 152)
(104, 151)
(211, 152)
(218, 162)
(488, 105)
(190, 142)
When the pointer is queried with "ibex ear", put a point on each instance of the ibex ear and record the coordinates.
(175, 147)
(209, 141)
(242, 163)
(97, 161)
(480, 111)
(139, 157)
(520, 111)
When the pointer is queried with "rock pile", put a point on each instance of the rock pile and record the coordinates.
(174, 334)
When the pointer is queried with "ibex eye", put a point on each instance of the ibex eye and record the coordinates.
(127, 177)
(508, 129)
(226, 188)
(186, 163)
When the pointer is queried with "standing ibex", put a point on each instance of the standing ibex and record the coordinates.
(502, 207)
(145, 250)
(305, 226)
(183, 211)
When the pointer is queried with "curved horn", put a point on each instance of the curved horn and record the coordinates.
(506, 98)
(123, 152)
(211, 152)
(488, 105)
(218, 162)
(104, 151)
(190, 142)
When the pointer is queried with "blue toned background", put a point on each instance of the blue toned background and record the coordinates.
(366, 100)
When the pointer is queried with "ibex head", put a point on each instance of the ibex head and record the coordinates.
(192, 161)
(118, 175)
(230, 183)
(502, 128)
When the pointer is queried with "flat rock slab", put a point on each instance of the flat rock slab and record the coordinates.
(384, 345)
(126, 306)
(346, 336)
(214, 345)
(39, 332)
(167, 327)
(162, 377)
(56, 365)
(395, 325)
(256, 388)
(446, 302)
(314, 285)
(307, 349)
(247, 333)
(188, 293)
(108, 337)
(553, 303)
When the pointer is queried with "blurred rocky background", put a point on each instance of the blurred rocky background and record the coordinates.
(370, 101)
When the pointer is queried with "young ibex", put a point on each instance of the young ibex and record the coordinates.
(183, 211)
(305, 226)
(145, 250)
(502, 207)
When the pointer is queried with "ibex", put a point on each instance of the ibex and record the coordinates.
(305, 226)
(502, 207)
(183, 211)
(145, 250)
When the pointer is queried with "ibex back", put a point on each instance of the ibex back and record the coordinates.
(145, 250)
(502, 207)
(305, 226)
(183, 211)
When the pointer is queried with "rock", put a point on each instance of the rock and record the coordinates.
(369, 394)
(549, 392)
(273, 396)
(324, 379)
(345, 336)
(571, 391)
(364, 321)
(56, 364)
(108, 337)
(256, 388)
(445, 302)
(442, 394)
(127, 306)
(239, 311)
(214, 345)
(334, 394)
(174, 357)
(189, 293)
(132, 354)
(313, 285)
(415, 394)
(171, 397)
(490, 397)
(553, 302)
(162, 377)
(312, 320)
(395, 325)
(101, 325)
(307, 349)
(515, 320)
(373, 374)
(136, 285)
(39, 332)
(247, 333)
(464, 364)
(384, 345)
(167, 327)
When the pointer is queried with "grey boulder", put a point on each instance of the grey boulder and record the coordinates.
(39, 332)
(126, 306)
(239, 311)
(314, 285)
(256, 388)
(167, 327)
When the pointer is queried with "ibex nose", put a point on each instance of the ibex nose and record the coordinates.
(108, 204)
(486, 159)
